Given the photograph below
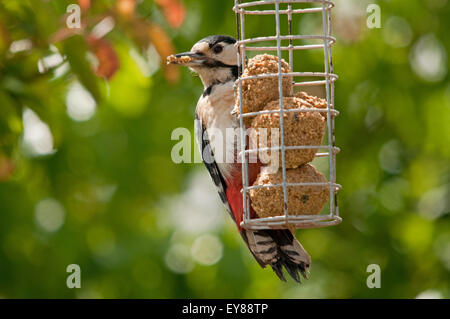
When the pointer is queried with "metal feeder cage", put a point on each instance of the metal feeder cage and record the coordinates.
(326, 78)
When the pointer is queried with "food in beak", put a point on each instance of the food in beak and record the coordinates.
(172, 59)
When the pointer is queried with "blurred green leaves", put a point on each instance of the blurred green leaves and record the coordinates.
(137, 84)
(75, 49)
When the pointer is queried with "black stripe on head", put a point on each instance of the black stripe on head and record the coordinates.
(218, 64)
(212, 40)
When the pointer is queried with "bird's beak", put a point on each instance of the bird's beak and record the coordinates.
(187, 59)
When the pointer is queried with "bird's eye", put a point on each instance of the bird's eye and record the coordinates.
(218, 49)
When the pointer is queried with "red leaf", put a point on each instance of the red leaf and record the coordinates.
(63, 34)
(174, 12)
(5, 38)
(164, 47)
(6, 168)
(84, 4)
(161, 41)
(172, 73)
(126, 7)
(106, 55)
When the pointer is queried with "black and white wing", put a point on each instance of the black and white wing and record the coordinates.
(201, 136)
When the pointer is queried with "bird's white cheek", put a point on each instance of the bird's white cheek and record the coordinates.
(229, 55)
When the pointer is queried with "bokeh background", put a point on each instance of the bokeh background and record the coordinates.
(86, 175)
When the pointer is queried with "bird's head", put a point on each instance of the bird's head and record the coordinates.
(214, 58)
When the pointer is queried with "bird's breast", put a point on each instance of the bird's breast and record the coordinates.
(214, 111)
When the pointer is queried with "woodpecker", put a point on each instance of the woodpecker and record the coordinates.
(214, 59)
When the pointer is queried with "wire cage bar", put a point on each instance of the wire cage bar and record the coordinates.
(327, 78)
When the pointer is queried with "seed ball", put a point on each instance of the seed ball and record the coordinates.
(257, 93)
(302, 200)
(300, 129)
(314, 101)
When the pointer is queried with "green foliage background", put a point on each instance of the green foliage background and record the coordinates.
(393, 130)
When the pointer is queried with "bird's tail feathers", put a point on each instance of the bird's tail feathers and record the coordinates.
(278, 248)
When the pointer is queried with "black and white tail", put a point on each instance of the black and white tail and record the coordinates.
(278, 248)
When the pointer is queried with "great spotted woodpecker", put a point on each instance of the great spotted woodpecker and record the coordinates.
(214, 58)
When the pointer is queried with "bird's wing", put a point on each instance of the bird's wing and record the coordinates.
(206, 152)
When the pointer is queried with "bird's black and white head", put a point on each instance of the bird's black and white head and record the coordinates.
(214, 58)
